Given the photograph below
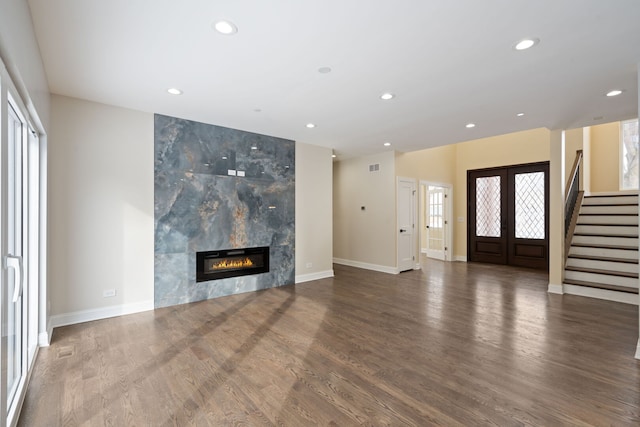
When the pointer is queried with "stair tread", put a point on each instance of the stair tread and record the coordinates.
(629, 236)
(606, 224)
(604, 272)
(601, 286)
(604, 258)
(607, 214)
(597, 246)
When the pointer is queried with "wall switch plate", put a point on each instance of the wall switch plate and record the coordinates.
(108, 293)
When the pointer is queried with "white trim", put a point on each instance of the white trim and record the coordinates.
(554, 288)
(367, 266)
(100, 313)
(638, 350)
(417, 266)
(460, 258)
(301, 278)
(605, 294)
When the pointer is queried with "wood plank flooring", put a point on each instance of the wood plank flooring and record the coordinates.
(454, 344)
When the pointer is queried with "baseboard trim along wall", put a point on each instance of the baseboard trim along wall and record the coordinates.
(99, 313)
(460, 258)
(604, 294)
(367, 266)
(638, 350)
(554, 288)
(301, 278)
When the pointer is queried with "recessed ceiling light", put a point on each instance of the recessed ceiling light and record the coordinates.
(470, 125)
(387, 96)
(310, 125)
(387, 144)
(324, 70)
(253, 147)
(615, 92)
(526, 44)
(174, 91)
(520, 114)
(225, 27)
(334, 156)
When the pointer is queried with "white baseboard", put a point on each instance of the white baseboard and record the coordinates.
(99, 313)
(301, 278)
(44, 338)
(460, 258)
(554, 288)
(605, 294)
(638, 350)
(367, 266)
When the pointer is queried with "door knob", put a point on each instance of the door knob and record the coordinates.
(402, 230)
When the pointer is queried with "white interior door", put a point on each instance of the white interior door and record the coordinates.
(405, 213)
(436, 222)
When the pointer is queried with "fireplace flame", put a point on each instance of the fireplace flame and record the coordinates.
(232, 263)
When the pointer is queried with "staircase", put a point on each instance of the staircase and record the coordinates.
(603, 257)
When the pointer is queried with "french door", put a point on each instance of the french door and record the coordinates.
(508, 215)
(19, 244)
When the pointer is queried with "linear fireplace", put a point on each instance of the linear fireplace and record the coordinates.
(225, 263)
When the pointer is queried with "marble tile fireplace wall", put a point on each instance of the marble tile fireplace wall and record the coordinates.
(219, 188)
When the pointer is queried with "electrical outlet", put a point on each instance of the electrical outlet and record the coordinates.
(309, 265)
(108, 293)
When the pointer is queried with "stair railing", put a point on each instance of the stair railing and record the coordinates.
(572, 198)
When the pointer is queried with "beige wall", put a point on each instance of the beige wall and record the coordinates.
(100, 206)
(605, 157)
(367, 236)
(314, 212)
(434, 164)
(511, 149)
(573, 141)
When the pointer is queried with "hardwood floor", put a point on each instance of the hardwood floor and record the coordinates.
(455, 344)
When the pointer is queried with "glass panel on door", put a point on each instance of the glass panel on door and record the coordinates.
(530, 206)
(488, 209)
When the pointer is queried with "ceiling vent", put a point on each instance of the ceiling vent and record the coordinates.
(374, 168)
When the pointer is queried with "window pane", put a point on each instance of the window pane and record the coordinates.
(630, 154)
(530, 205)
(488, 206)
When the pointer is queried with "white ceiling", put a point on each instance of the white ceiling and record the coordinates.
(449, 62)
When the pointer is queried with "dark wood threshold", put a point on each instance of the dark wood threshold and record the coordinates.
(601, 286)
(605, 272)
(603, 258)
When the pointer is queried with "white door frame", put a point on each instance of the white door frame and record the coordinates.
(448, 235)
(415, 264)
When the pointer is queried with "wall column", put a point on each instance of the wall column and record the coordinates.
(556, 211)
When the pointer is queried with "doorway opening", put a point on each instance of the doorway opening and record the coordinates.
(435, 220)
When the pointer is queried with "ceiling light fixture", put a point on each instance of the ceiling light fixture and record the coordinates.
(387, 144)
(387, 96)
(333, 156)
(614, 92)
(174, 91)
(225, 27)
(470, 125)
(526, 44)
(520, 114)
(324, 70)
(310, 125)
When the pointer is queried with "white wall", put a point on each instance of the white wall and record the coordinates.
(21, 56)
(365, 238)
(314, 212)
(100, 210)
